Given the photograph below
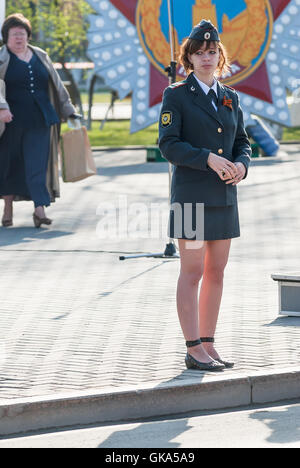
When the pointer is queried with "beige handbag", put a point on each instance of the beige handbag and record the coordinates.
(76, 156)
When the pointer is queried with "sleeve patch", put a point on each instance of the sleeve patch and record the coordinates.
(166, 119)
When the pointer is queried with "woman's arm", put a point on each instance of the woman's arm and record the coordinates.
(180, 152)
(5, 114)
(241, 151)
(175, 150)
(3, 103)
(65, 103)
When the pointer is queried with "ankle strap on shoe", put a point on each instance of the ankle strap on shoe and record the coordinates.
(191, 344)
(207, 340)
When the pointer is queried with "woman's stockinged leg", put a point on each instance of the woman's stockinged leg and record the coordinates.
(8, 207)
(216, 258)
(192, 266)
(40, 211)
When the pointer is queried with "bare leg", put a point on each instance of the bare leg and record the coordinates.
(192, 264)
(216, 259)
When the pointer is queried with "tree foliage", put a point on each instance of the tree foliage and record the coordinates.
(59, 27)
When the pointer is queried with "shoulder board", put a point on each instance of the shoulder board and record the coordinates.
(226, 86)
(178, 84)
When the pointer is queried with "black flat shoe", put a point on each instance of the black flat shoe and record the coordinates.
(192, 363)
(228, 365)
(213, 366)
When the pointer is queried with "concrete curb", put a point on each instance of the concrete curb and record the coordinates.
(119, 148)
(212, 393)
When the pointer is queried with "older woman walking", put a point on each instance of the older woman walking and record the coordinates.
(33, 101)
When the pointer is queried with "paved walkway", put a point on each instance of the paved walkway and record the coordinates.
(120, 110)
(73, 317)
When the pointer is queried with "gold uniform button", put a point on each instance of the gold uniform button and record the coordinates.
(220, 151)
(220, 130)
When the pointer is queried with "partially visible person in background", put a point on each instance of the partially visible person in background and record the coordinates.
(33, 102)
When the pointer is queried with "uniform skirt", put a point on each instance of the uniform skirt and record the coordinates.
(203, 223)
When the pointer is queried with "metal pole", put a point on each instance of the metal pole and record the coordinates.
(172, 79)
(170, 30)
(171, 69)
(170, 249)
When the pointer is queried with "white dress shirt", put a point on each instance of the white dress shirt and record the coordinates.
(206, 89)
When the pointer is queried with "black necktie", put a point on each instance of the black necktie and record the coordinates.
(213, 96)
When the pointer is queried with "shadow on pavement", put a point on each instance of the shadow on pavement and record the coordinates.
(164, 432)
(15, 236)
(131, 278)
(160, 435)
(269, 162)
(284, 322)
(94, 301)
(150, 168)
(284, 424)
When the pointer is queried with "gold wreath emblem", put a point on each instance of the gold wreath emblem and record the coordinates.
(243, 36)
(149, 11)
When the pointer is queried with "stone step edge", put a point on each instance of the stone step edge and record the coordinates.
(217, 392)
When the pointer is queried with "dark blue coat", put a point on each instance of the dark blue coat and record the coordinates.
(189, 130)
(27, 93)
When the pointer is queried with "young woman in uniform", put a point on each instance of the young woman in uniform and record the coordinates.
(202, 134)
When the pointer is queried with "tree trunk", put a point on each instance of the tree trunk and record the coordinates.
(91, 94)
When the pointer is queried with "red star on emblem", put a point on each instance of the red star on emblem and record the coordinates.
(256, 85)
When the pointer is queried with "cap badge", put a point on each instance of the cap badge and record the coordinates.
(207, 36)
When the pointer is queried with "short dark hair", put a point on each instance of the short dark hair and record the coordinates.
(17, 20)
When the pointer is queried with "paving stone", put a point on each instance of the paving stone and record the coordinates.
(73, 317)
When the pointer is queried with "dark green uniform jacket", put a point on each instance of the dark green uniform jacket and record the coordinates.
(190, 129)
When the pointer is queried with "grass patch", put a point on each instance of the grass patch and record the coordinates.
(290, 134)
(117, 133)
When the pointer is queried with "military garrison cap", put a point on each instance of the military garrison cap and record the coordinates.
(205, 31)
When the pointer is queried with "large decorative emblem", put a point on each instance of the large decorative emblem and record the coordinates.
(245, 29)
(129, 43)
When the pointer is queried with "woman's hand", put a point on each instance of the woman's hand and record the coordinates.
(240, 174)
(225, 169)
(5, 116)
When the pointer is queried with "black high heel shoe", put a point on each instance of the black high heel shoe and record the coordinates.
(7, 222)
(228, 365)
(39, 221)
(192, 363)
